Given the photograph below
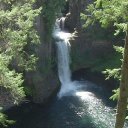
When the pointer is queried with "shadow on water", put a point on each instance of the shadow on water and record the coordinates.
(61, 113)
(83, 109)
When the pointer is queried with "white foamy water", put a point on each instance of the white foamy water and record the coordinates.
(63, 53)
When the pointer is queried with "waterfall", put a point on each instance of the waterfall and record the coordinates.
(63, 61)
(62, 23)
(63, 51)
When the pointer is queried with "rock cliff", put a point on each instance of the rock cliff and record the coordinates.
(90, 44)
(43, 81)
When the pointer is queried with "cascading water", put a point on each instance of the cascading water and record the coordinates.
(63, 49)
(62, 23)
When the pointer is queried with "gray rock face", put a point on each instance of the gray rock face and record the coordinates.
(43, 86)
(85, 50)
(6, 100)
(43, 82)
(73, 17)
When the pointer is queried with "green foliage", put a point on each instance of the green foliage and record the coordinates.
(116, 94)
(119, 49)
(3, 119)
(108, 12)
(112, 73)
(28, 91)
(16, 32)
(50, 11)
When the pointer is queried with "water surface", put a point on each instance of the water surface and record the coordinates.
(87, 107)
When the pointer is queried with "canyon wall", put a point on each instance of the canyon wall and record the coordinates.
(90, 44)
(43, 81)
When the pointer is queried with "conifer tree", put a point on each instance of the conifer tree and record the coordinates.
(17, 31)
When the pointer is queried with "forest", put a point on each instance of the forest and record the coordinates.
(63, 63)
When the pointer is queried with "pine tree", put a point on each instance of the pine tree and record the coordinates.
(17, 30)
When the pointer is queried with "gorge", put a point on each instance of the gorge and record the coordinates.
(79, 104)
(66, 88)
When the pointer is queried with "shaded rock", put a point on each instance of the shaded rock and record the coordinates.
(85, 49)
(43, 82)
(43, 86)
(6, 100)
(73, 17)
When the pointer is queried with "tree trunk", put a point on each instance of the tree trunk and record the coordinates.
(123, 95)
